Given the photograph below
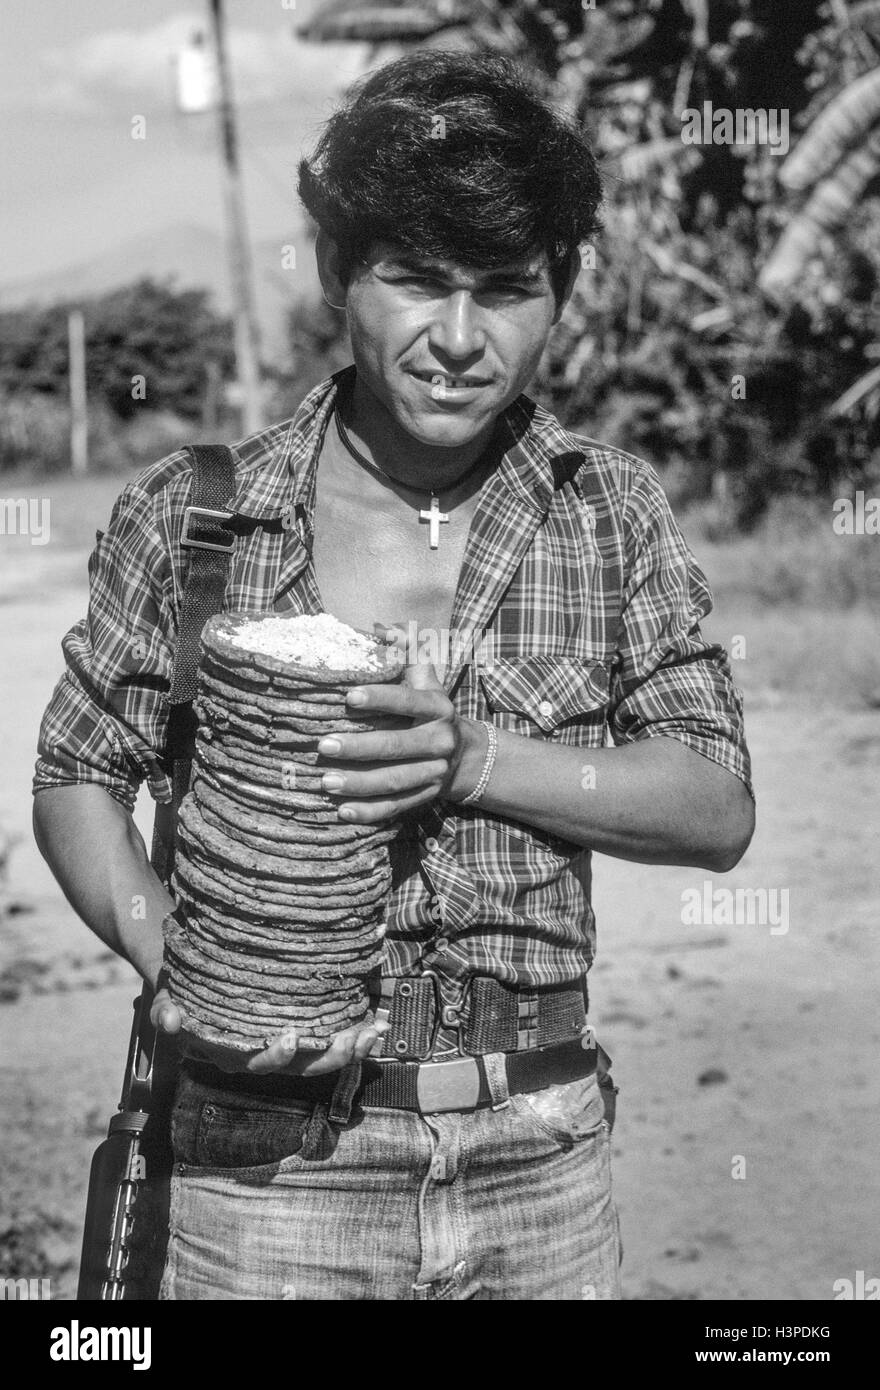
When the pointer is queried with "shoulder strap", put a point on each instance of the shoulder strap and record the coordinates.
(565, 466)
(210, 543)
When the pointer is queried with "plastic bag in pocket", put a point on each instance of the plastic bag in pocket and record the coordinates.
(576, 1107)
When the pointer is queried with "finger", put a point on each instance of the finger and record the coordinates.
(160, 999)
(392, 633)
(280, 1053)
(434, 739)
(354, 1044)
(164, 1013)
(382, 809)
(401, 698)
(384, 781)
(368, 1037)
(338, 1054)
(364, 1042)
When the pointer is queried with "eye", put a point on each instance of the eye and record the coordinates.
(421, 280)
(507, 287)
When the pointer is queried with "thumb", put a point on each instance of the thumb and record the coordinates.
(422, 675)
(164, 1013)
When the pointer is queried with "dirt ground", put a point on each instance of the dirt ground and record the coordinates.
(745, 1152)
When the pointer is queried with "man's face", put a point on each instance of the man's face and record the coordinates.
(446, 348)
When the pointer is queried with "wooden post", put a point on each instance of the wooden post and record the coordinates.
(211, 399)
(247, 350)
(79, 421)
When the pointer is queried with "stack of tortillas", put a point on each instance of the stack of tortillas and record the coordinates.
(282, 904)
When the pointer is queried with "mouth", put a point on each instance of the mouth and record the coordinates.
(447, 382)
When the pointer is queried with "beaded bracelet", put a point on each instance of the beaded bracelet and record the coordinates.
(487, 766)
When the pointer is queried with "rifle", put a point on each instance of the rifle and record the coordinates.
(123, 1239)
(126, 1224)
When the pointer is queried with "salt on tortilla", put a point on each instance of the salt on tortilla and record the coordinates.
(309, 640)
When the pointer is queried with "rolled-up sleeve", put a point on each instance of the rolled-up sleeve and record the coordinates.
(668, 680)
(107, 718)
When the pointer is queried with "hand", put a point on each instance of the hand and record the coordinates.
(282, 1054)
(165, 1016)
(379, 775)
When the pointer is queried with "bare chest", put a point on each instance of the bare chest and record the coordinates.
(373, 562)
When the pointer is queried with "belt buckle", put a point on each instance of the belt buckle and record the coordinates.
(449, 1015)
(451, 1085)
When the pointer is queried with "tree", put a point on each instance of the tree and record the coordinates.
(148, 348)
(672, 344)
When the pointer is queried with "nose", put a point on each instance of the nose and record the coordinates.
(456, 330)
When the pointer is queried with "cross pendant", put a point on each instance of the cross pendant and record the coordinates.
(434, 517)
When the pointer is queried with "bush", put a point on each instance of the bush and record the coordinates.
(34, 431)
(168, 337)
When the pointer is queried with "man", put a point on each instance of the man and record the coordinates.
(563, 603)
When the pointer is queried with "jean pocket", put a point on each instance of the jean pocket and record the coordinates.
(569, 1114)
(240, 1133)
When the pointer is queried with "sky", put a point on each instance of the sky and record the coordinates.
(74, 74)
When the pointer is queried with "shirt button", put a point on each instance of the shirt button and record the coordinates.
(545, 708)
(431, 844)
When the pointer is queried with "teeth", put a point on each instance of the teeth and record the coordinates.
(445, 380)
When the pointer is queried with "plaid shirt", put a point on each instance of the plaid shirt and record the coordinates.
(576, 620)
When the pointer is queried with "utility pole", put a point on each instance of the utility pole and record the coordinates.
(247, 345)
(79, 421)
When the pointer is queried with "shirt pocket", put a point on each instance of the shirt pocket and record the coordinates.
(559, 699)
(555, 697)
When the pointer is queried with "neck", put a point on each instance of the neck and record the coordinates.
(431, 467)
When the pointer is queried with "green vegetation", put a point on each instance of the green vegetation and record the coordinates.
(152, 354)
(725, 323)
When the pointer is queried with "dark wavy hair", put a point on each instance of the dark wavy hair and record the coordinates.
(455, 157)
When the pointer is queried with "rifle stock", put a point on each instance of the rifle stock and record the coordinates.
(125, 1229)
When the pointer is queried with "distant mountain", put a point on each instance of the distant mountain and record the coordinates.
(195, 257)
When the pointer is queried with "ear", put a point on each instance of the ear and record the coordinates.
(327, 255)
(574, 267)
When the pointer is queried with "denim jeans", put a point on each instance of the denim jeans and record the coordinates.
(271, 1200)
